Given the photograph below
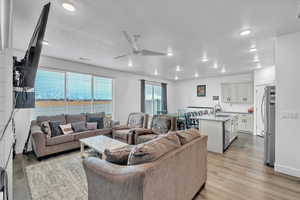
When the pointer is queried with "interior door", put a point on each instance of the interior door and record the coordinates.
(260, 91)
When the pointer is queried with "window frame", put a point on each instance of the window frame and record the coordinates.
(92, 86)
(152, 91)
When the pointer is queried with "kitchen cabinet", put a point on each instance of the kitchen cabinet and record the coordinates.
(245, 123)
(239, 93)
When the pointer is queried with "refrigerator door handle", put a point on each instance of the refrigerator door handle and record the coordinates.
(262, 108)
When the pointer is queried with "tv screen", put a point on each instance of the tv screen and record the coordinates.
(25, 70)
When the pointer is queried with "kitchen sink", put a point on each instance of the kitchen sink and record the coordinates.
(221, 115)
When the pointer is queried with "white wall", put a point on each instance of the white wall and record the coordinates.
(6, 87)
(126, 93)
(288, 102)
(186, 92)
(262, 77)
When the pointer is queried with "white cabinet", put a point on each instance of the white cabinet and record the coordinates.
(228, 93)
(245, 123)
(239, 93)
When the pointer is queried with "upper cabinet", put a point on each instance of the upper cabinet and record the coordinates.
(239, 93)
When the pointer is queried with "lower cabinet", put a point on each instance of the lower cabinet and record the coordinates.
(245, 123)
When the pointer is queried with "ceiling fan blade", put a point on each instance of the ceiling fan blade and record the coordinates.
(122, 56)
(146, 52)
(131, 41)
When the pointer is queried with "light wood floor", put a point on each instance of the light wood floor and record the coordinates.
(239, 174)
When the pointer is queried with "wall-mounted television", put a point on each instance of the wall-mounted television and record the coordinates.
(25, 69)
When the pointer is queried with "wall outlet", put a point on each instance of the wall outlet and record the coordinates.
(289, 115)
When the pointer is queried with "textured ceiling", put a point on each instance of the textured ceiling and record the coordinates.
(192, 29)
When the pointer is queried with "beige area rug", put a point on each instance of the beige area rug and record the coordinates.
(60, 178)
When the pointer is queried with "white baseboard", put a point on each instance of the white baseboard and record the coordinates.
(287, 170)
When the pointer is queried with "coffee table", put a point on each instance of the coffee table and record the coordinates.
(99, 144)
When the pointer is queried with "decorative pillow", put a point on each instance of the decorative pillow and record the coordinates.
(118, 156)
(154, 149)
(91, 125)
(107, 122)
(187, 135)
(66, 129)
(55, 129)
(136, 121)
(79, 126)
(161, 125)
(46, 128)
(99, 121)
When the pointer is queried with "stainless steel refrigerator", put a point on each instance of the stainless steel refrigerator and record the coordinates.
(269, 124)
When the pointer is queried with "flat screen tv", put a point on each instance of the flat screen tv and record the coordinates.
(25, 70)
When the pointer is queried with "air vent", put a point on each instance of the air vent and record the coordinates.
(83, 58)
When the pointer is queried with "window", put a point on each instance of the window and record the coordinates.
(103, 95)
(71, 93)
(49, 93)
(153, 99)
(79, 93)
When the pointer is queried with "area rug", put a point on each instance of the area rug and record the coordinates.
(60, 178)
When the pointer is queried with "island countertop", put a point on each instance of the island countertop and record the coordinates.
(213, 118)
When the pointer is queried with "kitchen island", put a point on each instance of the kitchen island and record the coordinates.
(221, 130)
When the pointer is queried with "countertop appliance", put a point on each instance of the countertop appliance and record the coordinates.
(269, 125)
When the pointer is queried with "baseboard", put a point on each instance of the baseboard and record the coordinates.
(287, 170)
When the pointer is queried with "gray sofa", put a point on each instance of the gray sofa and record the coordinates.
(43, 145)
(178, 175)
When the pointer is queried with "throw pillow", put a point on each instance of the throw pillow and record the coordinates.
(161, 125)
(107, 122)
(154, 149)
(79, 126)
(135, 121)
(66, 129)
(91, 125)
(99, 121)
(187, 135)
(55, 129)
(45, 126)
(119, 155)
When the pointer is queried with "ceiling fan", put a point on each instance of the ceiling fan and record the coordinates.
(135, 48)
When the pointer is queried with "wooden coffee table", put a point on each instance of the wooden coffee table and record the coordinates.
(99, 144)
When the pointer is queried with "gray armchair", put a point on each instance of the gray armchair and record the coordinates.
(160, 124)
(124, 133)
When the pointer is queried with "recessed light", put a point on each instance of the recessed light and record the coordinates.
(178, 69)
(68, 6)
(155, 72)
(169, 52)
(223, 70)
(256, 59)
(176, 78)
(45, 42)
(130, 64)
(196, 75)
(204, 59)
(258, 66)
(215, 66)
(245, 32)
(253, 49)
